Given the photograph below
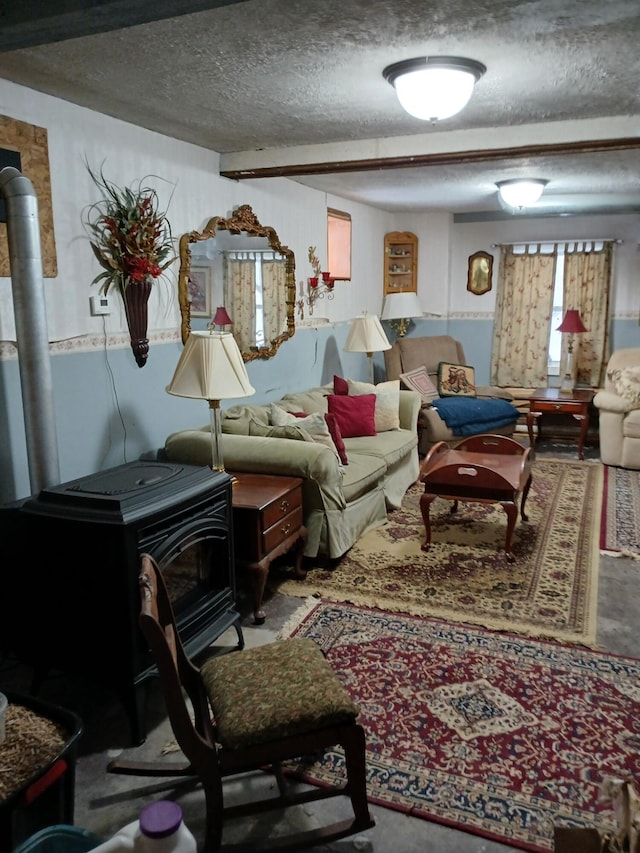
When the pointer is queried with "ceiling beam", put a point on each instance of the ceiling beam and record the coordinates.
(38, 22)
(441, 158)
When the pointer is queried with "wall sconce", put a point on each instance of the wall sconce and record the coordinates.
(521, 192)
(434, 87)
(317, 288)
(399, 308)
(571, 324)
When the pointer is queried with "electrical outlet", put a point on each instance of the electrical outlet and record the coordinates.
(100, 305)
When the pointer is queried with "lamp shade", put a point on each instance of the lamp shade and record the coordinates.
(221, 317)
(434, 87)
(366, 335)
(401, 306)
(210, 368)
(572, 322)
(521, 192)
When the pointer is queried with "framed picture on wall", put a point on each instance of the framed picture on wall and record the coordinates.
(200, 284)
(480, 273)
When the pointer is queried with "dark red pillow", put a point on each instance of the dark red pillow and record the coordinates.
(355, 415)
(340, 385)
(336, 435)
(334, 430)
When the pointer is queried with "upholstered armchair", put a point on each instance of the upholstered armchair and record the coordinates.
(416, 362)
(618, 405)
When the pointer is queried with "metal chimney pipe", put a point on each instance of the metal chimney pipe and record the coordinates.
(32, 337)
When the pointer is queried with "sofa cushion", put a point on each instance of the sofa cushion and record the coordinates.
(390, 446)
(456, 380)
(387, 401)
(236, 419)
(355, 415)
(420, 381)
(362, 474)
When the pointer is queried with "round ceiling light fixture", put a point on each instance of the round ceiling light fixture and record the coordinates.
(521, 192)
(434, 87)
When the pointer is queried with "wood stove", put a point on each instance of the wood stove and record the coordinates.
(75, 605)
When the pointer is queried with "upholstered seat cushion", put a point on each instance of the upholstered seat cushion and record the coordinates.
(283, 688)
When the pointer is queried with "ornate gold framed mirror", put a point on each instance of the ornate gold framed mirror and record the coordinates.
(253, 275)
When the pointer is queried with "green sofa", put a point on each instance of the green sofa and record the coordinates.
(340, 501)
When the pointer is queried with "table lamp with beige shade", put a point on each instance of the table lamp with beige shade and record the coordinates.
(367, 335)
(211, 368)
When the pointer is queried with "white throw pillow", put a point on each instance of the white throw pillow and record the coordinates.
(387, 412)
(314, 424)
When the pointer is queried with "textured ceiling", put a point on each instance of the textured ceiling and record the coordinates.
(295, 83)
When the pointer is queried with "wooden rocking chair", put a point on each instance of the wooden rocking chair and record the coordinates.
(252, 709)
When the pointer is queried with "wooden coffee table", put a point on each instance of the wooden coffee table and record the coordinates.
(480, 469)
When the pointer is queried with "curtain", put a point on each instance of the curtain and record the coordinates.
(587, 286)
(275, 308)
(240, 297)
(524, 303)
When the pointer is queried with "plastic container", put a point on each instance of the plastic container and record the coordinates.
(46, 799)
(59, 839)
(160, 829)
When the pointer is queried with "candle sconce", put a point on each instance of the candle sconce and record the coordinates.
(317, 288)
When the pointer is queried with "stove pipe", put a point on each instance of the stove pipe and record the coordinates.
(32, 338)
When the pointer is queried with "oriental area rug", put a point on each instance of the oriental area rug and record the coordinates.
(620, 527)
(550, 590)
(491, 733)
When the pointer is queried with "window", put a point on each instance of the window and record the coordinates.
(339, 244)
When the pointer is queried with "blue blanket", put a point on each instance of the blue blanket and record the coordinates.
(472, 415)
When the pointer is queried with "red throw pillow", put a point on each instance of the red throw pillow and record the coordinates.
(336, 435)
(356, 415)
(340, 385)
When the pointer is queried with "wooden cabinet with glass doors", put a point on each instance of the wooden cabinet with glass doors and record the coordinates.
(400, 262)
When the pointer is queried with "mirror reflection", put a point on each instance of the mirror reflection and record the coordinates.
(241, 265)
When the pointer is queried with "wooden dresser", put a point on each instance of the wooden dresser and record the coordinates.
(267, 522)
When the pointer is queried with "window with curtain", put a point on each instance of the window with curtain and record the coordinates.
(537, 283)
(251, 278)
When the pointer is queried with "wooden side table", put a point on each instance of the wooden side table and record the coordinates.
(554, 401)
(267, 522)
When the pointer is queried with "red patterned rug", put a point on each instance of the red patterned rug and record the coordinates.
(620, 525)
(491, 733)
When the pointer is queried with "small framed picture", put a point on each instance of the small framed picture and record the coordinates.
(480, 273)
(200, 291)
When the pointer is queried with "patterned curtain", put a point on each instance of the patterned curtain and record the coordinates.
(524, 303)
(587, 286)
(275, 309)
(240, 298)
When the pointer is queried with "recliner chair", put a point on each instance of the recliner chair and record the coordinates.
(618, 405)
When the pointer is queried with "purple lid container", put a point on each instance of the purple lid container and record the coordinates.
(158, 820)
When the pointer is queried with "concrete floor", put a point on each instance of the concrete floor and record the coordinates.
(105, 802)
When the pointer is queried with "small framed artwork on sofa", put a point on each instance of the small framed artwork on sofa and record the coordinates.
(200, 291)
(480, 273)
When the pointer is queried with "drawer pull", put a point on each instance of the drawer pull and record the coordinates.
(557, 406)
(285, 528)
(284, 506)
(468, 472)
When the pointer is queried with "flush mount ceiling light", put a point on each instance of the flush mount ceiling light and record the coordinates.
(521, 192)
(434, 87)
